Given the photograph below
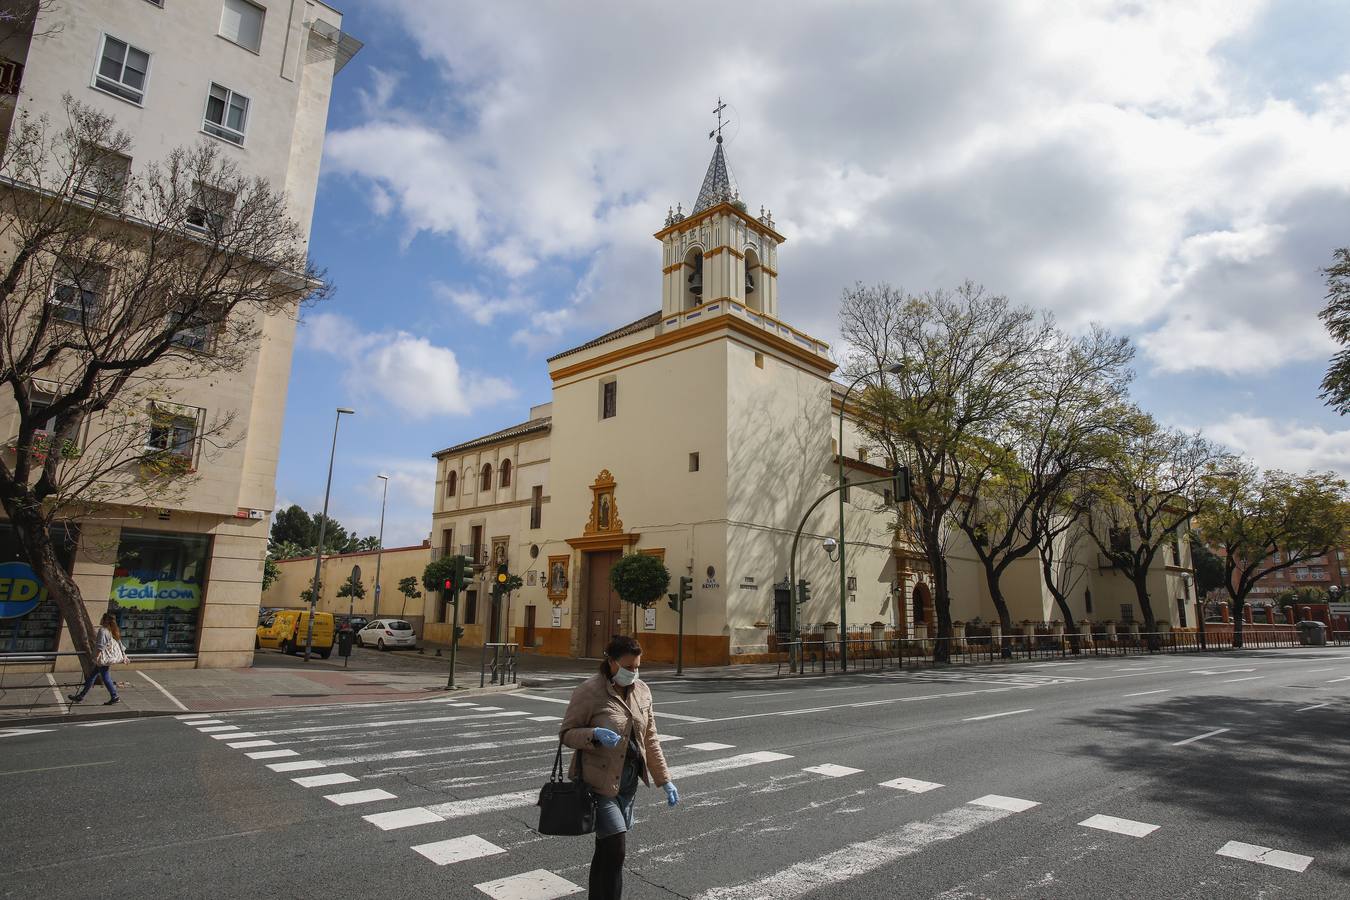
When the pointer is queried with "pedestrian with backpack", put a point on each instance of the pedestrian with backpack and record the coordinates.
(610, 725)
(108, 652)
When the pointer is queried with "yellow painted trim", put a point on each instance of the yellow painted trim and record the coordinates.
(716, 250)
(668, 269)
(615, 541)
(755, 224)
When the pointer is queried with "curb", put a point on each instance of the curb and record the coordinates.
(26, 721)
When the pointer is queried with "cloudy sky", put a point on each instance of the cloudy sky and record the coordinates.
(494, 172)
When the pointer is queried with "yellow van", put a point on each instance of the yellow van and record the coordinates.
(285, 630)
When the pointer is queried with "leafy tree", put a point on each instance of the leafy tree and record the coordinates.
(293, 527)
(1268, 521)
(296, 533)
(437, 572)
(1150, 487)
(271, 572)
(287, 550)
(969, 362)
(1209, 572)
(639, 578)
(408, 588)
(350, 588)
(369, 543)
(159, 286)
(1298, 596)
(1336, 316)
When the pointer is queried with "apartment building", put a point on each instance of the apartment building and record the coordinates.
(254, 78)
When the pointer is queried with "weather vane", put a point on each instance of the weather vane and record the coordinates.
(718, 112)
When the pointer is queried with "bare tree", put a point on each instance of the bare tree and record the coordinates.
(968, 365)
(1151, 485)
(117, 289)
(1269, 521)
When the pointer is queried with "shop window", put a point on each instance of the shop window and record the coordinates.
(29, 620)
(158, 588)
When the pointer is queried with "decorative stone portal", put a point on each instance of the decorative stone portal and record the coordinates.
(600, 612)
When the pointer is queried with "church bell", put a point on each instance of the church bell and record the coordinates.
(696, 278)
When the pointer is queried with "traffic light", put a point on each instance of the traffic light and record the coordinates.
(502, 573)
(686, 589)
(803, 591)
(900, 484)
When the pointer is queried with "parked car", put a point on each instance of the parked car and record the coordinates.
(352, 623)
(387, 634)
(286, 630)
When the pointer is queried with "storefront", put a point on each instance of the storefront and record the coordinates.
(158, 589)
(29, 620)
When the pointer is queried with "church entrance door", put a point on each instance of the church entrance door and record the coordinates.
(604, 609)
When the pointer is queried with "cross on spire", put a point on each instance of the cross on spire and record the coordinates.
(717, 111)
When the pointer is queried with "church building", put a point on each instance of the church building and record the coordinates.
(701, 433)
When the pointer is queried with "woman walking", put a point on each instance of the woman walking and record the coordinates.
(107, 652)
(609, 723)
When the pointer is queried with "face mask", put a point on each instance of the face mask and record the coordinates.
(625, 677)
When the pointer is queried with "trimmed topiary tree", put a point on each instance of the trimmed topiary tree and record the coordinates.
(639, 579)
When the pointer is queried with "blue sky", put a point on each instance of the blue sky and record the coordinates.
(493, 174)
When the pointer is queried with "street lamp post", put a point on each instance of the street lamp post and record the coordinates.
(379, 547)
(323, 524)
(893, 368)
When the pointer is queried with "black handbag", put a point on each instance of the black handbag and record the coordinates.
(566, 808)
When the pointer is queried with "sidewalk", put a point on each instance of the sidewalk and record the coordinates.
(42, 697)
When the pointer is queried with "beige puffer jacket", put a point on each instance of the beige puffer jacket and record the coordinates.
(597, 703)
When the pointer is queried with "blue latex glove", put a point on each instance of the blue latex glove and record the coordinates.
(607, 737)
(672, 794)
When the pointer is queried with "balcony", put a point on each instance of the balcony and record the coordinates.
(727, 307)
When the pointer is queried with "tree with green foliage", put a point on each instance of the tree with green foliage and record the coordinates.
(639, 578)
(1336, 316)
(350, 588)
(296, 533)
(1269, 521)
(271, 572)
(1209, 574)
(408, 588)
(437, 573)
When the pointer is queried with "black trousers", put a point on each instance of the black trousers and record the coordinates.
(607, 867)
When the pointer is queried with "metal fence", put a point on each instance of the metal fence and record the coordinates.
(897, 654)
(500, 663)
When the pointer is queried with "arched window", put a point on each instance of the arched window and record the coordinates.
(485, 479)
(752, 279)
(451, 483)
(506, 473)
(693, 279)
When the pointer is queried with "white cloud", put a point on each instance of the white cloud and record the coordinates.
(1282, 444)
(418, 378)
(479, 308)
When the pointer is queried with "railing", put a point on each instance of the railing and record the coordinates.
(875, 655)
(503, 664)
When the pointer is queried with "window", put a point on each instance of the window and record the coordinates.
(122, 70)
(101, 174)
(470, 607)
(451, 479)
(536, 506)
(476, 543)
(759, 360)
(485, 478)
(506, 473)
(209, 210)
(77, 292)
(1087, 600)
(448, 542)
(11, 76)
(172, 432)
(158, 587)
(191, 330)
(609, 399)
(241, 22)
(226, 114)
(693, 462)
(1119, 540)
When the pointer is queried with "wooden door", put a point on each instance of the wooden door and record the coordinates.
(604, 618)
(529, 626)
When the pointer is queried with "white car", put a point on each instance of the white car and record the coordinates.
(386, 634)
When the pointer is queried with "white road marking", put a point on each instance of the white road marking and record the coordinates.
(1336, 680)
(826, 873)
(1294, 862)
(244, 745)
(471, 846)
(1011, 712)
(1220, 671)
(832, 770)
(324, 780)
(402, 818)
(710, 745)
(539, 884)
(435, 751)
(1146, 693)
(271, 754)
(208, 722)
(210, 729)
(662, 738)
(1248, 678)
(747, 696)
(1314, 706)
(1011, 804)
(912, 785)
(848, 687)
(662, 714)
(159, 687)
(193, 716)
(545, 718)
(352, 798)
(389, 723)
(56, 692)
(1199, 737)
(20, 732)
(722, 765)
(234, 735)
(297, 766)
(545, 699)
(1120, 826)
(491, 709)
(109, 722)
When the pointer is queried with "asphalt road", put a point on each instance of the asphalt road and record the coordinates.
(1160, 777)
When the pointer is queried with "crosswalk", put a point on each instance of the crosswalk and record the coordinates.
(455, 783)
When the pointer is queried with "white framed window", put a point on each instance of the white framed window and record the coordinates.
(102, 174)
(123, 70)
(77, 292)
(210, 211)
(173, 431)
(192, 331)
(241, 23)
(226, 114)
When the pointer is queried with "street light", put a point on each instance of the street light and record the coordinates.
(894, 369)
(379, 547)
(323, 525)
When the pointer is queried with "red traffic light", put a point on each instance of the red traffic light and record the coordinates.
(449, 584)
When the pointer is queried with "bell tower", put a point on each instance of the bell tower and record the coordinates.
(719, 251)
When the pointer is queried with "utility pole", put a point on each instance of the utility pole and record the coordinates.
(379, 547)
(323, 525)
